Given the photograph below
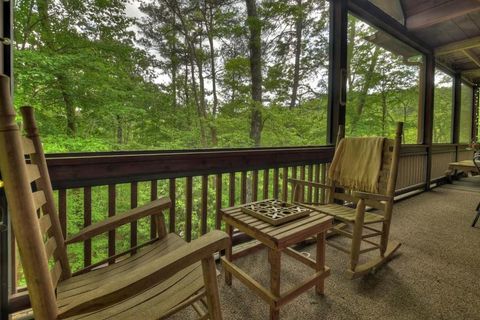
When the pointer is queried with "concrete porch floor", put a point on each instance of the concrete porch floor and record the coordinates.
(434, 275)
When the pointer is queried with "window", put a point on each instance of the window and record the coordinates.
(466, 116)
(125, 75)
(383, 83)
(443, 108)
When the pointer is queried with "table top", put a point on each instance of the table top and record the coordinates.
(277, 237)
(464, 163)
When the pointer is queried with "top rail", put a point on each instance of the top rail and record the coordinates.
(81, 170)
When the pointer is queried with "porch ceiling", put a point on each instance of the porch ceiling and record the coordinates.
(450, 27)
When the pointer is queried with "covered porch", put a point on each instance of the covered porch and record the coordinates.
(434, 275)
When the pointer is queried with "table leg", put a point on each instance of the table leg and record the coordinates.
(319, 288)
(228, 253)
(274, 259)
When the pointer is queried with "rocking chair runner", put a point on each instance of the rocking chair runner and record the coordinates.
(356, 223)
(162, 278)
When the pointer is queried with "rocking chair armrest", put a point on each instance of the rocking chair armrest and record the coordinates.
(371, 196)
(155, 271)
(153, 208)
(309, 183)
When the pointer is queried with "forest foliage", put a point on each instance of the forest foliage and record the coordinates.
(177, 74)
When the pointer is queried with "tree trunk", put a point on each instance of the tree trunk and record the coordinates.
(119, 130)
(384, 112)
(209, 25)
(69, 106)
(27, 28)
(174, 62)
(203, 139)
(255, 46)
(298, 53)
(47, 38)
(71, 123)
(350, 44)
(366, 86)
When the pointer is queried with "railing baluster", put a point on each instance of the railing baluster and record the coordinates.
(188, 208)
(218, 201)
(62, 210)
(231, 195)
(203, 225)
(275, 183)
(302, 177)
(153, 196)
(243, 187)
(323, 180)
(133, 225)
(294, 172)
(266, 176)
(310, 178)
(173, 198)
(255, 185)
(87, 220)
(285, 184)
(112, 195)
(317, 179)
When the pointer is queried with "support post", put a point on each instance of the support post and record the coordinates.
(427, 113)
(4, 252)
(475, 113)
(457, 105)
(337, 77)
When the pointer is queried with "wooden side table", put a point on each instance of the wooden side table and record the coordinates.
(466, 166)
(278, 239)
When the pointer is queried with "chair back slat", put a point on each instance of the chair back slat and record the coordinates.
(387, 158)
(50, 247)
(33, 172)
(28, 147)
(22, 209)
(56, 273)
(39, 199)
(45, 224)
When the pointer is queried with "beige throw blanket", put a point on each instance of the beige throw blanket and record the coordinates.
(356, 163)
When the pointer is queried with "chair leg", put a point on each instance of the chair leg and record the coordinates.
(275, 266)
(477, 216)
(228, 253)
(384, 237)
(210, 279)
(357, 234)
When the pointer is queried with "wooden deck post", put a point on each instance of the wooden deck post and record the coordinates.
(475, 113)
(337, 78)
(427, 113)
(457, 105)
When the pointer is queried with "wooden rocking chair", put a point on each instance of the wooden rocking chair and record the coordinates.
(349, 208)
(153, 283)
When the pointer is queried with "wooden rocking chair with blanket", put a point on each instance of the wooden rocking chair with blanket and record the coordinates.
(153, 283)
(362, 177)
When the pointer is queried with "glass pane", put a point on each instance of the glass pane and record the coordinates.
(466, 114)
(130, 75)
(443, 109)
(383, 83)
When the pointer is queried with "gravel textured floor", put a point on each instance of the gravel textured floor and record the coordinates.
(435, 274)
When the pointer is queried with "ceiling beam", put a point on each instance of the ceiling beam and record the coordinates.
(470, 71)
(458, 46)
(443, 12)
(472, 57)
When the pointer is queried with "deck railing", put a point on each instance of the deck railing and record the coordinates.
(91, 186)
